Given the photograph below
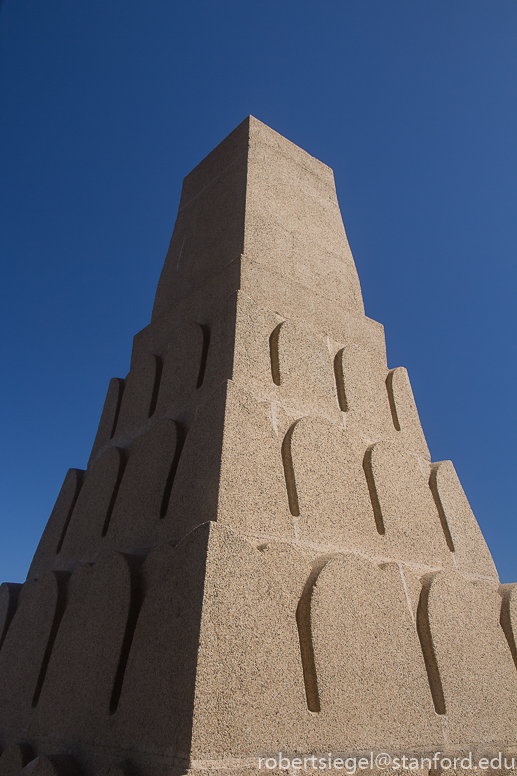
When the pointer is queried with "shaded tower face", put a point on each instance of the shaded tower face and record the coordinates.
(260, 556)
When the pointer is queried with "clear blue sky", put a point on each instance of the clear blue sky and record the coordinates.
(107, 104)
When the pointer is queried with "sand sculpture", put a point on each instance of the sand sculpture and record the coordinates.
(260, 556)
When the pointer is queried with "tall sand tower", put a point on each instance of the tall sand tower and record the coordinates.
(260, 556)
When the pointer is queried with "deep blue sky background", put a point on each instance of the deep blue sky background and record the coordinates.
(107, 104)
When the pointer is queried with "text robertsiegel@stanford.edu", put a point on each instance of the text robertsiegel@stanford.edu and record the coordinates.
(380, 761)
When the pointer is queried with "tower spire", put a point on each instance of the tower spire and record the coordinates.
(259, 200)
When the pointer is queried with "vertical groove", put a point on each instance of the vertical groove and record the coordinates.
(290, 481)
(391, 399)
(120, 386)
(62, 580)
(132, 619)
(506, 620)
(303, 621)
(426, 642)
(340, 380)
(273, 355)
(204, 354)
(80, 474)
(433, 484)
(156, 386)
(180, 441)
(121, 469)
(13, 592)
(374, 497)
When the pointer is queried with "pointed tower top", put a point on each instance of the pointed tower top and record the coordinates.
(258, 197)
(248, 134)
